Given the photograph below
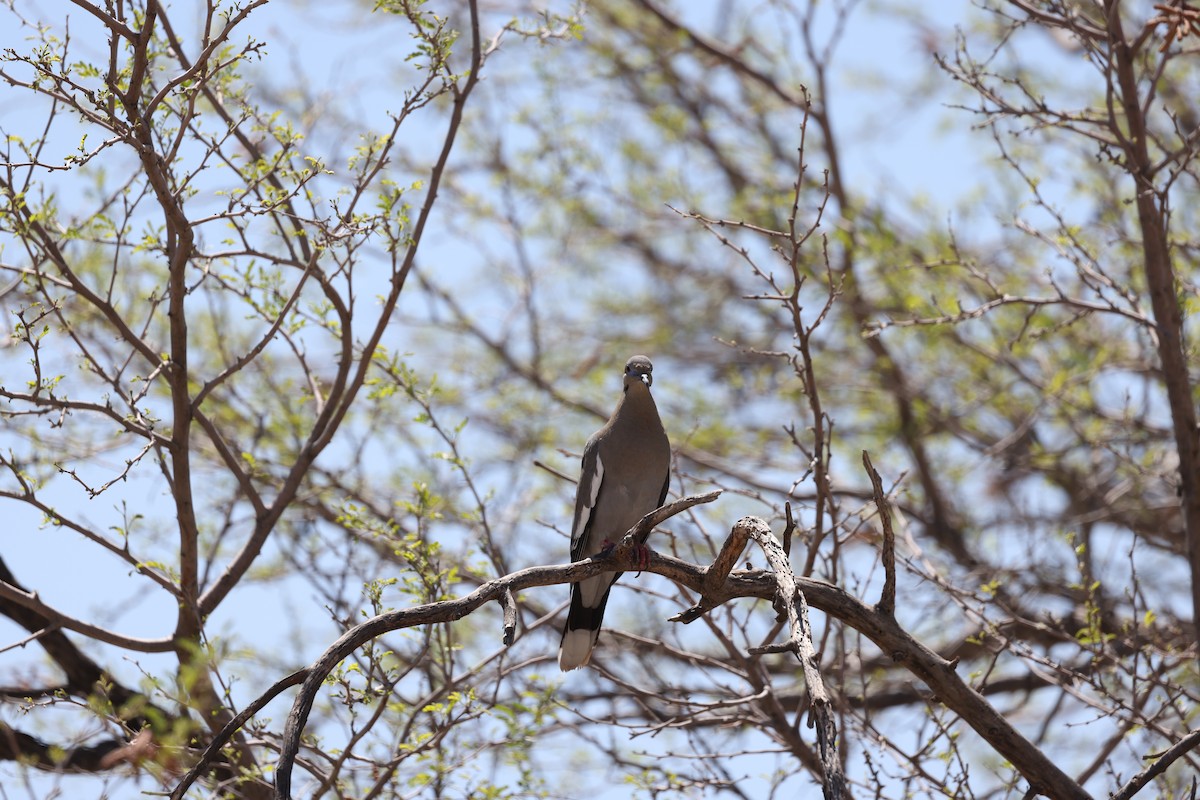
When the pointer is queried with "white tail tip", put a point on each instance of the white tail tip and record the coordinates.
(576, 648)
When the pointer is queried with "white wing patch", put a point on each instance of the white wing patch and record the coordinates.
(597, 479)
(585, 513)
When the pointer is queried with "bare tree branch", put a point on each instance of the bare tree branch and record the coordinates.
(887, 598)
(800, 643)
(1161, 762)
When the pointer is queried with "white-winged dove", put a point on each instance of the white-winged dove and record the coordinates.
(626, 471)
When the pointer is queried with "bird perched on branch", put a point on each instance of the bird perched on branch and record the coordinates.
(626, 471)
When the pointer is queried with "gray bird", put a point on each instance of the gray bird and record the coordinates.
(626, 471)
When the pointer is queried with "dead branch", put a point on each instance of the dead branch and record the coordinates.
(800, 642)
(887, 598)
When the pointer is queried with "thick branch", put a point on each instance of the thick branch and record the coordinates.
(27, 610)
(14, 595)
(85, 679)
(18, 746)
(1151, 203)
